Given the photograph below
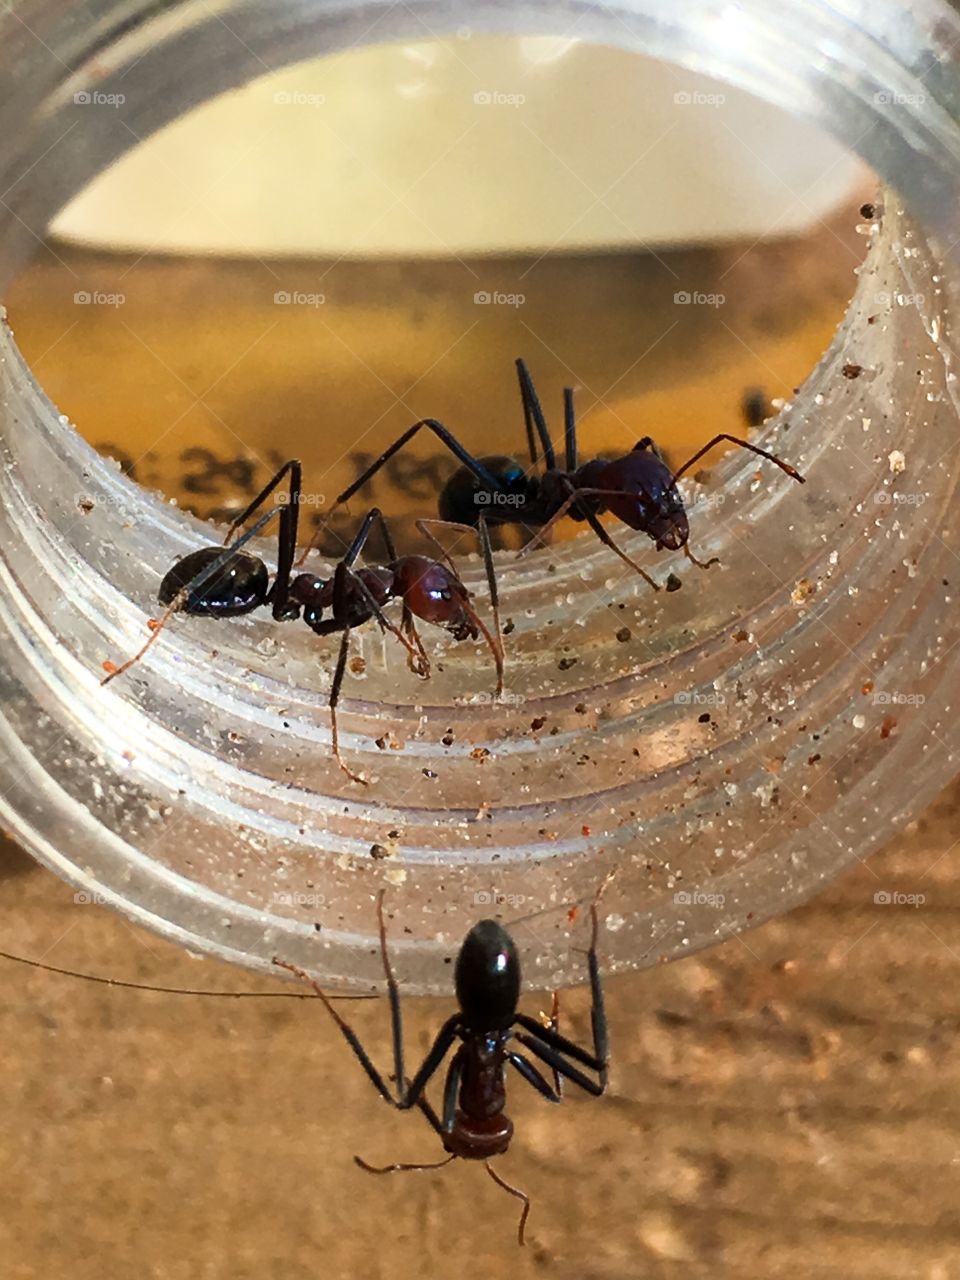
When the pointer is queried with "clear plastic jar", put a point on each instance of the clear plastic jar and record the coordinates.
(775, 719)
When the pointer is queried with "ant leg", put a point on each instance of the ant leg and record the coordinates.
(418, 663)
(533, 1076)
(608, 541)
(287, 538)
(348, 1033)
(334, 699)
(490, 569)
(340, 611)
(553, 1024)
(514, 1191)
(548, 1044)
(410, 1093)
(211, 570)
(594, 523)
(569, 431)
(483, 532)
(533, 412)
(451, 1092)
(446, 438)
(744, 444)
(701, 564)
(555, 1059)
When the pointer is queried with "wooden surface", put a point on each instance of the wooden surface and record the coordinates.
(782, 1106)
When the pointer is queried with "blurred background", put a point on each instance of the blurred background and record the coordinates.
(309, 264)
(304, 267)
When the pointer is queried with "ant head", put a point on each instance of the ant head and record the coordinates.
(240, 585)
(488, 977)
(658, 509)
(435, 593)
(463, 499)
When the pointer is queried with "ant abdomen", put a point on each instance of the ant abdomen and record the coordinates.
(239, 586)
(430, 590)
(464, 498)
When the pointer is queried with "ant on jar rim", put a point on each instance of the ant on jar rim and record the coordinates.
(225, 581)
(639, 488)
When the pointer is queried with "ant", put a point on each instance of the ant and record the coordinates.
(474, 1125)
(639, 488)
(224, 581)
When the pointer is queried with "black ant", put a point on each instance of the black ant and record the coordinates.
(223, 581)
(639, 488)
(473, 1124)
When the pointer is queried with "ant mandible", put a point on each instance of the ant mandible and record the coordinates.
(473, 1124)
(224, 581)
(639, 488)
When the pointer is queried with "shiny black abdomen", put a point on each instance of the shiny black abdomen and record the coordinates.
(464, 498)
(240, 586)
(488, 977)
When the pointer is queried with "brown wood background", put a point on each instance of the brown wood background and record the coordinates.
(784, 1105)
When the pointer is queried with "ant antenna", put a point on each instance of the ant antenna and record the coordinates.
(401, 1167)
(172, 991)
(177, 603)
(514, 1191)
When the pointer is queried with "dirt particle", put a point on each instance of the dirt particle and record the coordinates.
(624, 634)
(379, 851)
(537, 724)
(672, 583)
(566, 663)
(851, 370)
(479, 753)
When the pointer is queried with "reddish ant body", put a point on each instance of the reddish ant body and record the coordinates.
(226, 581)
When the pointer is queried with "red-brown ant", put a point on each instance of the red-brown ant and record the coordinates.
(473, 1124)
(639, 488)
(223, 581)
